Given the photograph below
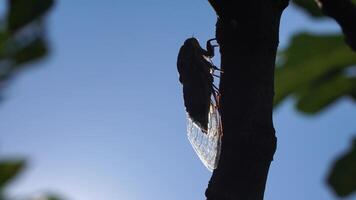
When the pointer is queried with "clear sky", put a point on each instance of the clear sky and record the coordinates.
(102, 118)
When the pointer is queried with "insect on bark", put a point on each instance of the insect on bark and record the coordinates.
(201, 100)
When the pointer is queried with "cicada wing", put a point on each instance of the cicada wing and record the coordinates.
(207, 145)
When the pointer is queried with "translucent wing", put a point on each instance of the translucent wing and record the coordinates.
(207, 145)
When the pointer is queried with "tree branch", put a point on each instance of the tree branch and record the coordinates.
(247, 33)
(344, 12)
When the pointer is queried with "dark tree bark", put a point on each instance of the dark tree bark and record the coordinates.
(247, 32)
(344, 12)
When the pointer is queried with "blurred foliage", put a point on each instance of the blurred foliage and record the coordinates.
(9, 169)
(22, 36)
(314, 69)
(343, 174)
(317, 70)
(310, 7)
(22, 40)
(24, 12)
(52, 197)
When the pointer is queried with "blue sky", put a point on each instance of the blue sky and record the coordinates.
(103, 117)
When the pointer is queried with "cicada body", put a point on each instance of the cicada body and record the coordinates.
(201, 100)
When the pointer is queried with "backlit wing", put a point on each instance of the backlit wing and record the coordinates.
(207, 145)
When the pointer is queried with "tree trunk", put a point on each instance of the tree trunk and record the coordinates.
(247, 32)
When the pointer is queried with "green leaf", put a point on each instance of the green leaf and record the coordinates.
(53, 198)
(35, 50)
(23, 12)
(304, 66)
(322, 95)
(4, 36)
(9, 169)
(342, 175)
(49, 197)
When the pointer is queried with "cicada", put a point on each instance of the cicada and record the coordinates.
(201, 99)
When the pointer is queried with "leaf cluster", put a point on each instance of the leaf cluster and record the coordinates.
(22, 40)
(22, 36)
(318, 70)
(10, 169)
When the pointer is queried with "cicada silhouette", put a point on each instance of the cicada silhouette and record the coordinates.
(201, 99)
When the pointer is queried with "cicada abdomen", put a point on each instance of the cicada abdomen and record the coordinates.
(201, 100)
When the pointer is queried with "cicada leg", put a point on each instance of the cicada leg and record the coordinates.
(216, 96)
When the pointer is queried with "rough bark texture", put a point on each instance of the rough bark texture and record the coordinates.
(247, 32)
(344, 12)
